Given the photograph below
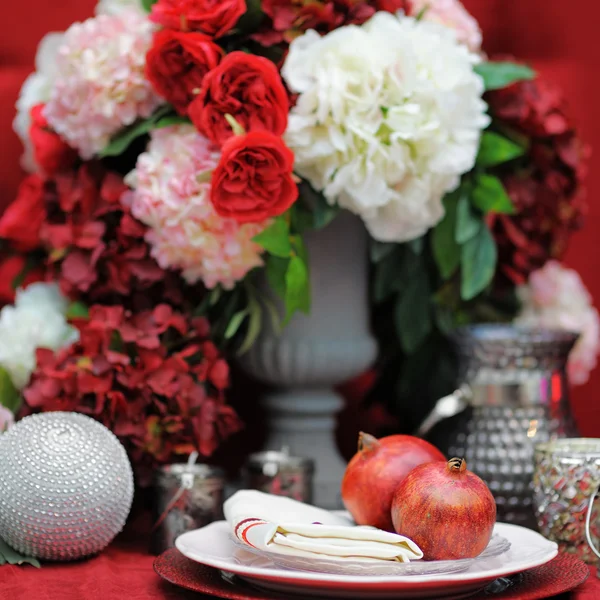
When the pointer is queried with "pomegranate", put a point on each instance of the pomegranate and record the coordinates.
(375, 471)
(446, 510)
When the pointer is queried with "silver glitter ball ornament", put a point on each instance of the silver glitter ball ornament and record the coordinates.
(66, 486)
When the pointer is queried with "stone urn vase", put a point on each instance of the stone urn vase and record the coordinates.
(316, 352)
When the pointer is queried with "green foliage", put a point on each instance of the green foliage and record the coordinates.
(413, 313)
(12, 557)
(498, 75)
(251, 19)
(127, 136)
(147, 4)
(297, 288)
(9, 395)
(495, 150)
(77, 310)
(468, 220)
(479, 258)
(275, 239)
(445, 248)
(489, 195)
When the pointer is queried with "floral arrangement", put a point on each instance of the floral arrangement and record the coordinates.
(177, 149)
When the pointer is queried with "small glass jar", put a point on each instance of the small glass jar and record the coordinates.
(186, 497)
(278, 473)
(566, 482)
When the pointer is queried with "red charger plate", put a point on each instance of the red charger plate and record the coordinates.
(560, 575)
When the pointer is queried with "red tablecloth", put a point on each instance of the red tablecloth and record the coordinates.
(124, 572)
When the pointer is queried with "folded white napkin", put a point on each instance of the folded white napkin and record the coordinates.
(283, 525)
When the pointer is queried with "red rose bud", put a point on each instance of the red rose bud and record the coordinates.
(23, 219)
(253, 180)
(177, 63)
(52, 154)
(247, 87)
(214, 18)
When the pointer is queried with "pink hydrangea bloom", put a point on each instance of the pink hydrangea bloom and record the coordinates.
(6, 418)
(172, 196)
(555, 297)
(452, 14)
(99, 85)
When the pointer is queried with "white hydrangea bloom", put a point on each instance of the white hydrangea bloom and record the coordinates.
(115, 7)
(389, 116)
(37, 320)
(36, 90)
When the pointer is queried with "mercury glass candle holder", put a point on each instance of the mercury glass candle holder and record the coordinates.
(566, 482)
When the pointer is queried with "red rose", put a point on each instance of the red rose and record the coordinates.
(177, 63)
(253, 180)
(22, 220)
(213, 17)
(247, 87)
(50, 151)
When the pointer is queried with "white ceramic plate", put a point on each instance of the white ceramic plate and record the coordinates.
(334, 565)
(213, 546)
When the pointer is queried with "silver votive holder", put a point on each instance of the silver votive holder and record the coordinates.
(186, 497)
(566, 482)
(276, 472)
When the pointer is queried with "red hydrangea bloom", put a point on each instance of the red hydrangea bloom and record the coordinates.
(153, 377)
(546, 189)
(96, 249)
(287, 19)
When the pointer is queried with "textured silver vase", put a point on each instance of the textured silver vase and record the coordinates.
(517, 397)
(316, 352)
(66, 486)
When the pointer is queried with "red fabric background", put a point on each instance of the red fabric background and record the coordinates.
(558, 38)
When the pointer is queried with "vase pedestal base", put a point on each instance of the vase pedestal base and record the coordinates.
(304, 421)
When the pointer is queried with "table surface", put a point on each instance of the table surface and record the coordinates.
(124, 571)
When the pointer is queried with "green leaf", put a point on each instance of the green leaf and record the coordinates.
(235, 323)
(77, 310)
(274, 315)
(252, 18)
(12, 557)
(300, 248)
(323, 212)
(417, 245)
(302, 219)
(254, 324)
(275, 239)
(489, 195)
(9, 395)
(147, 4)
(444, 247)
(497, 75)
(386, 280)
(479, 258)
(276, 269)
(215, 295)
(412, 313)
(495, 149)
(297, 288)
(468, 221)
(125, 138)
(171, 120)
(379, 250)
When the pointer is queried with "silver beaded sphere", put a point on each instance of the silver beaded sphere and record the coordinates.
(66, 486)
